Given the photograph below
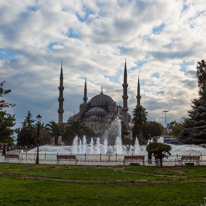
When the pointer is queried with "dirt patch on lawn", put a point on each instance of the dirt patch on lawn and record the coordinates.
(3, 164)
(26, 168)
(59, 167)
(171, 169)
(100, 181)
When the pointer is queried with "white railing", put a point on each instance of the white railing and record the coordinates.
(98, 159)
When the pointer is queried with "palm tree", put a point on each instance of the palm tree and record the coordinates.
(43, 133)
(76, 127)
(139, 118)
(55, 130)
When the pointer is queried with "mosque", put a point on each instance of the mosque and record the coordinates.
(101, 110)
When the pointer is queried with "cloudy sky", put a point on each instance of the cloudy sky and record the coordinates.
(161, 41)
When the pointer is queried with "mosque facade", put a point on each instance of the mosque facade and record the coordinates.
(101, 110)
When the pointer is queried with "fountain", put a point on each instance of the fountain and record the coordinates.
(112, 143)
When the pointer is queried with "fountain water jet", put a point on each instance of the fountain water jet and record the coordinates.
(136, 147)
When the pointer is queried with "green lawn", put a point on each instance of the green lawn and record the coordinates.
(19, 191)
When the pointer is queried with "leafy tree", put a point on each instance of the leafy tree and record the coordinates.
(159, 150)
(176, 128)
(153, 128)
(7, 121)
(194, 127)
(26, 134)
(140, 118)
(55, 130)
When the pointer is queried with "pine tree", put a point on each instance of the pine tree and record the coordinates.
(7, 121)
(194, 127)
(201, 75)
(25, 134)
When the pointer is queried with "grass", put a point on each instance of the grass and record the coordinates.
(18, 191)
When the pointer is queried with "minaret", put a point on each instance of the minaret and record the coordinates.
(61, 99)
(125, 96)
(138, 93)
(85, 92)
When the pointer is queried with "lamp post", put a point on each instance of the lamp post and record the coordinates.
(149, 154)
(38, 119)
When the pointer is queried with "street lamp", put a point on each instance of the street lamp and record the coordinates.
(149, 154)
(38, 119)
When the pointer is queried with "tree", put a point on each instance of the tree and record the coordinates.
(76, 127)
(26, 134)
(194, 127)
(140, 118)
(153, 128)
(176, 128)
(55, 130)
(159, 150)
(201, 75)
(125, 132)
(43, 133)
(7, 121)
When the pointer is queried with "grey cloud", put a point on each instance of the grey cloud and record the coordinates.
(161, 56)
(190, 84)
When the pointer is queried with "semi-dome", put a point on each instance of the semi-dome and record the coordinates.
(101, 98)
(96, 109)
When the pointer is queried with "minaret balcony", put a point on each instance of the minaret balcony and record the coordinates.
(125, 109)
(125, 97)
(60, 111)
(60, 99)
(125, 85)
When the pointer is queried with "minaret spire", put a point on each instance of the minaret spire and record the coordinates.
(138, 93)
(61, 99)
(125, 96)
(85, 92)
(61, 73)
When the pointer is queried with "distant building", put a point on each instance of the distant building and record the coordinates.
(101, 110)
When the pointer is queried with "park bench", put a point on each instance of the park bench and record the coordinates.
(133, 158)
(66, 158)
(189, 160)
(12, 156)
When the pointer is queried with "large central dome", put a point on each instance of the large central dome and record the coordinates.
(101, 98)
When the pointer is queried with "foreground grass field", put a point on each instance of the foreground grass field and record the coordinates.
(17, 187)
